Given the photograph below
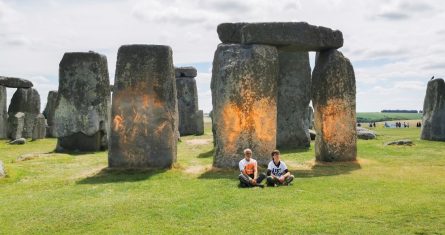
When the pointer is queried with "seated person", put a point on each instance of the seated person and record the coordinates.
(249, 171)
(277, 173)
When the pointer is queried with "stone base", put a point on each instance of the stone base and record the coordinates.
(81, 142)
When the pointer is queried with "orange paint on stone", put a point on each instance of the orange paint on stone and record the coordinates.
(253, 119)
(337, 122)
(117, 122)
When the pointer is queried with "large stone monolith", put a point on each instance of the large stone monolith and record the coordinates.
(244, 97)
(294, 95)
(309, 118)
(15, 82)
(2, 170)
(433, 121)
(333, 98)
(144, 109)
(27, 101)
(49, 111)
(299, 36)
(82, 106)
(39, 130)
(3, 113)
(187, 95)
(15, 125)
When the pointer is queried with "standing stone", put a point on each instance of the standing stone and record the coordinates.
(244, 97)
(144, 108)
(15, 125)
(309, 123)
(294, 95)
(27, 101)
(433, 120)
(188, 71)
(39, 131)
(333, 98)
(3, 113)
(82, 105)
(199, 122)
(2, 170)
(49, 111)
(187, 95)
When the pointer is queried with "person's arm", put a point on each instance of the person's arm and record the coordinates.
(285, 175)
(255, 172)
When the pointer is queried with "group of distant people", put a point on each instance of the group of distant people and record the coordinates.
(405, 124)
(277, 172)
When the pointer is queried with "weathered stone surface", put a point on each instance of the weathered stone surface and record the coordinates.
(309, 123)
(27, 101)
(400, 142)
(15, 125)
(39, 130)
(144, 109)
(18, 141)
(187, 95)
(3, 114)
(15, 82)
(244, 97)
(333, 98)
(199, 118)
(189, 72)
(365, 134)
(433, 120)
(2, 170)
(230, 32)
(83, 100)
(49, 112)
(299, 36)
(294, 95)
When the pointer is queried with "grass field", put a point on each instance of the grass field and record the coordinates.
(381, 117)
(389, 190)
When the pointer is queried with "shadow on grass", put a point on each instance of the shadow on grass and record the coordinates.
(207, 154)
(319, 169)
(76, 153)
(110, 175)
(294, 150)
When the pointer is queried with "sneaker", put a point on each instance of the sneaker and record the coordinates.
(289, 180)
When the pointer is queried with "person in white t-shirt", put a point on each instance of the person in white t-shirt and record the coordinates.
(277, 172)
(249, 171)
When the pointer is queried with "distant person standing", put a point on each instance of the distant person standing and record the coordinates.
(249, 171)
(277, 172)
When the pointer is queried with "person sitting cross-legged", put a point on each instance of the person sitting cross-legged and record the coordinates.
(249, 171)
(277, 172)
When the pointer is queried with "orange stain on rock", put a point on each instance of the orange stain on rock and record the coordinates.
(257, 119)
(337, 122)
(117, 122)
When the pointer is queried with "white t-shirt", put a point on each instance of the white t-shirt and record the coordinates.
(249, 166)
(277, 170)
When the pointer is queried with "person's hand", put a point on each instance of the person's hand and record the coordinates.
(281, 179)
(253, 181)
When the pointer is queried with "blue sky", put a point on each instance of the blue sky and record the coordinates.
(395, 46)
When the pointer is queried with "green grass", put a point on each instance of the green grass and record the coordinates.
(381, 117)
(389, 190)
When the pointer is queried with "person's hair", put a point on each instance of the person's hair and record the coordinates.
(247, 150)
(275, 152)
